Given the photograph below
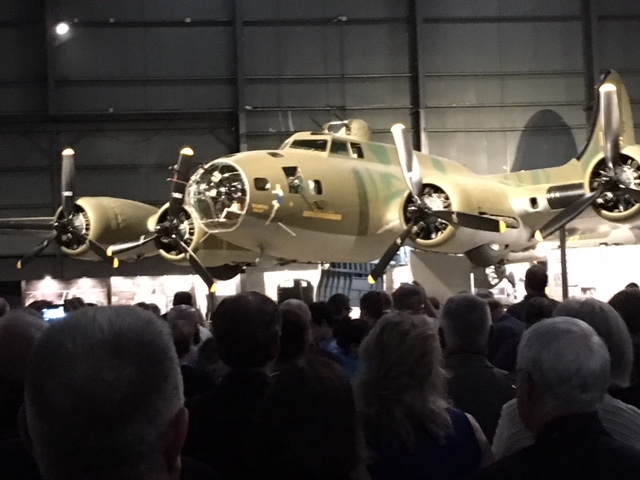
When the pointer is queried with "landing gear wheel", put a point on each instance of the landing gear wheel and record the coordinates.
(226, 271)
(486, 255)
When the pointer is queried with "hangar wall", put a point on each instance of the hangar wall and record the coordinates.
(495, 84)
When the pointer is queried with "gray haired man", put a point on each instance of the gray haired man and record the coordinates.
(563, 374)
(103, 398)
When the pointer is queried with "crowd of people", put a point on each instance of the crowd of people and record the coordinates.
(411, 389)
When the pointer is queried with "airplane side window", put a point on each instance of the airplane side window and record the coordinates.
(315, 186)
(261, 184)
(316, 145)
(295, 180)
(340, 148)
(356, 150)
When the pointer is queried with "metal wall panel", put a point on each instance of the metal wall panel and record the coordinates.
(294, 9)
(22, 49)
(520, 89)
(144, 97)
(27, 177)
(494, 118)
(21, 187)
(18, 11)
(22, 97)
(498, 47)
(619, 7)
(136, 165)
(26, 151)
(618, 42)
(291, 50)
(144, 10)
(23, 71)
(145, 69)
(480, 8)
(489, 67)
(320, 70)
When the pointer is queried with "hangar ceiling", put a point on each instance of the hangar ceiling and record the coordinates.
(135, 80)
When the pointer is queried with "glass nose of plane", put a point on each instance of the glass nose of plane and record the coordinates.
(219, 195)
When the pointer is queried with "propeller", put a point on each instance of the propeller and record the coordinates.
(170, 230)
(65, 225)
(420, 211)
(614, 178)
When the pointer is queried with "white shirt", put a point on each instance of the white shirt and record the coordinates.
(620, 419)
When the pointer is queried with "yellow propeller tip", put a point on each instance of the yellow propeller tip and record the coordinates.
(109, 252)
(19, 265)
(68, 151)
(538, 236)
(502, 227)
(186, 151)
(213, 288)
(371, 280)
(116, 262)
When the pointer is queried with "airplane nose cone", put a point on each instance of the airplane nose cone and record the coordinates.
(218, 193)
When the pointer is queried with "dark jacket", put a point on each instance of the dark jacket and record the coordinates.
(478, 388)
(220, 421)
(17, 464)
(504, 329)
(517, 309)
(454, 458)
(572, 447)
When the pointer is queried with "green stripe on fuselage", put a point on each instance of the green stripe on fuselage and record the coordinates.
(380, 153)
(363, 200)
(438, 164)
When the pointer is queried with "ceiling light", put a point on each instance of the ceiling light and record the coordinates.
(62, 28)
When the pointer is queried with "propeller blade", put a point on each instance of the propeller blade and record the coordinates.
(94, 246)
(408, 162)
(566, 215)
(123, 247)
(180, 179)
(36, 224)
(68, 180)
(388, 255)
(197, 265)
(37, 250)
(469, 220)
(610, 120)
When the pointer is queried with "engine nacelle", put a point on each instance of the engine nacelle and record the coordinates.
(616, 206)
(211, 250)
(108, 220)
(445, 195)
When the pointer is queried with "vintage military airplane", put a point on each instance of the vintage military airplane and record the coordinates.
(338, 197)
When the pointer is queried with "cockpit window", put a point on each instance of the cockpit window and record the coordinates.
(315, 145)
(351, 149)
(340, 148)
(356, 150)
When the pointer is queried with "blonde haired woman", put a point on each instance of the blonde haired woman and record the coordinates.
(410, 429)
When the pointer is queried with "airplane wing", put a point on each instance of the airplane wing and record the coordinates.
(82, 227)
